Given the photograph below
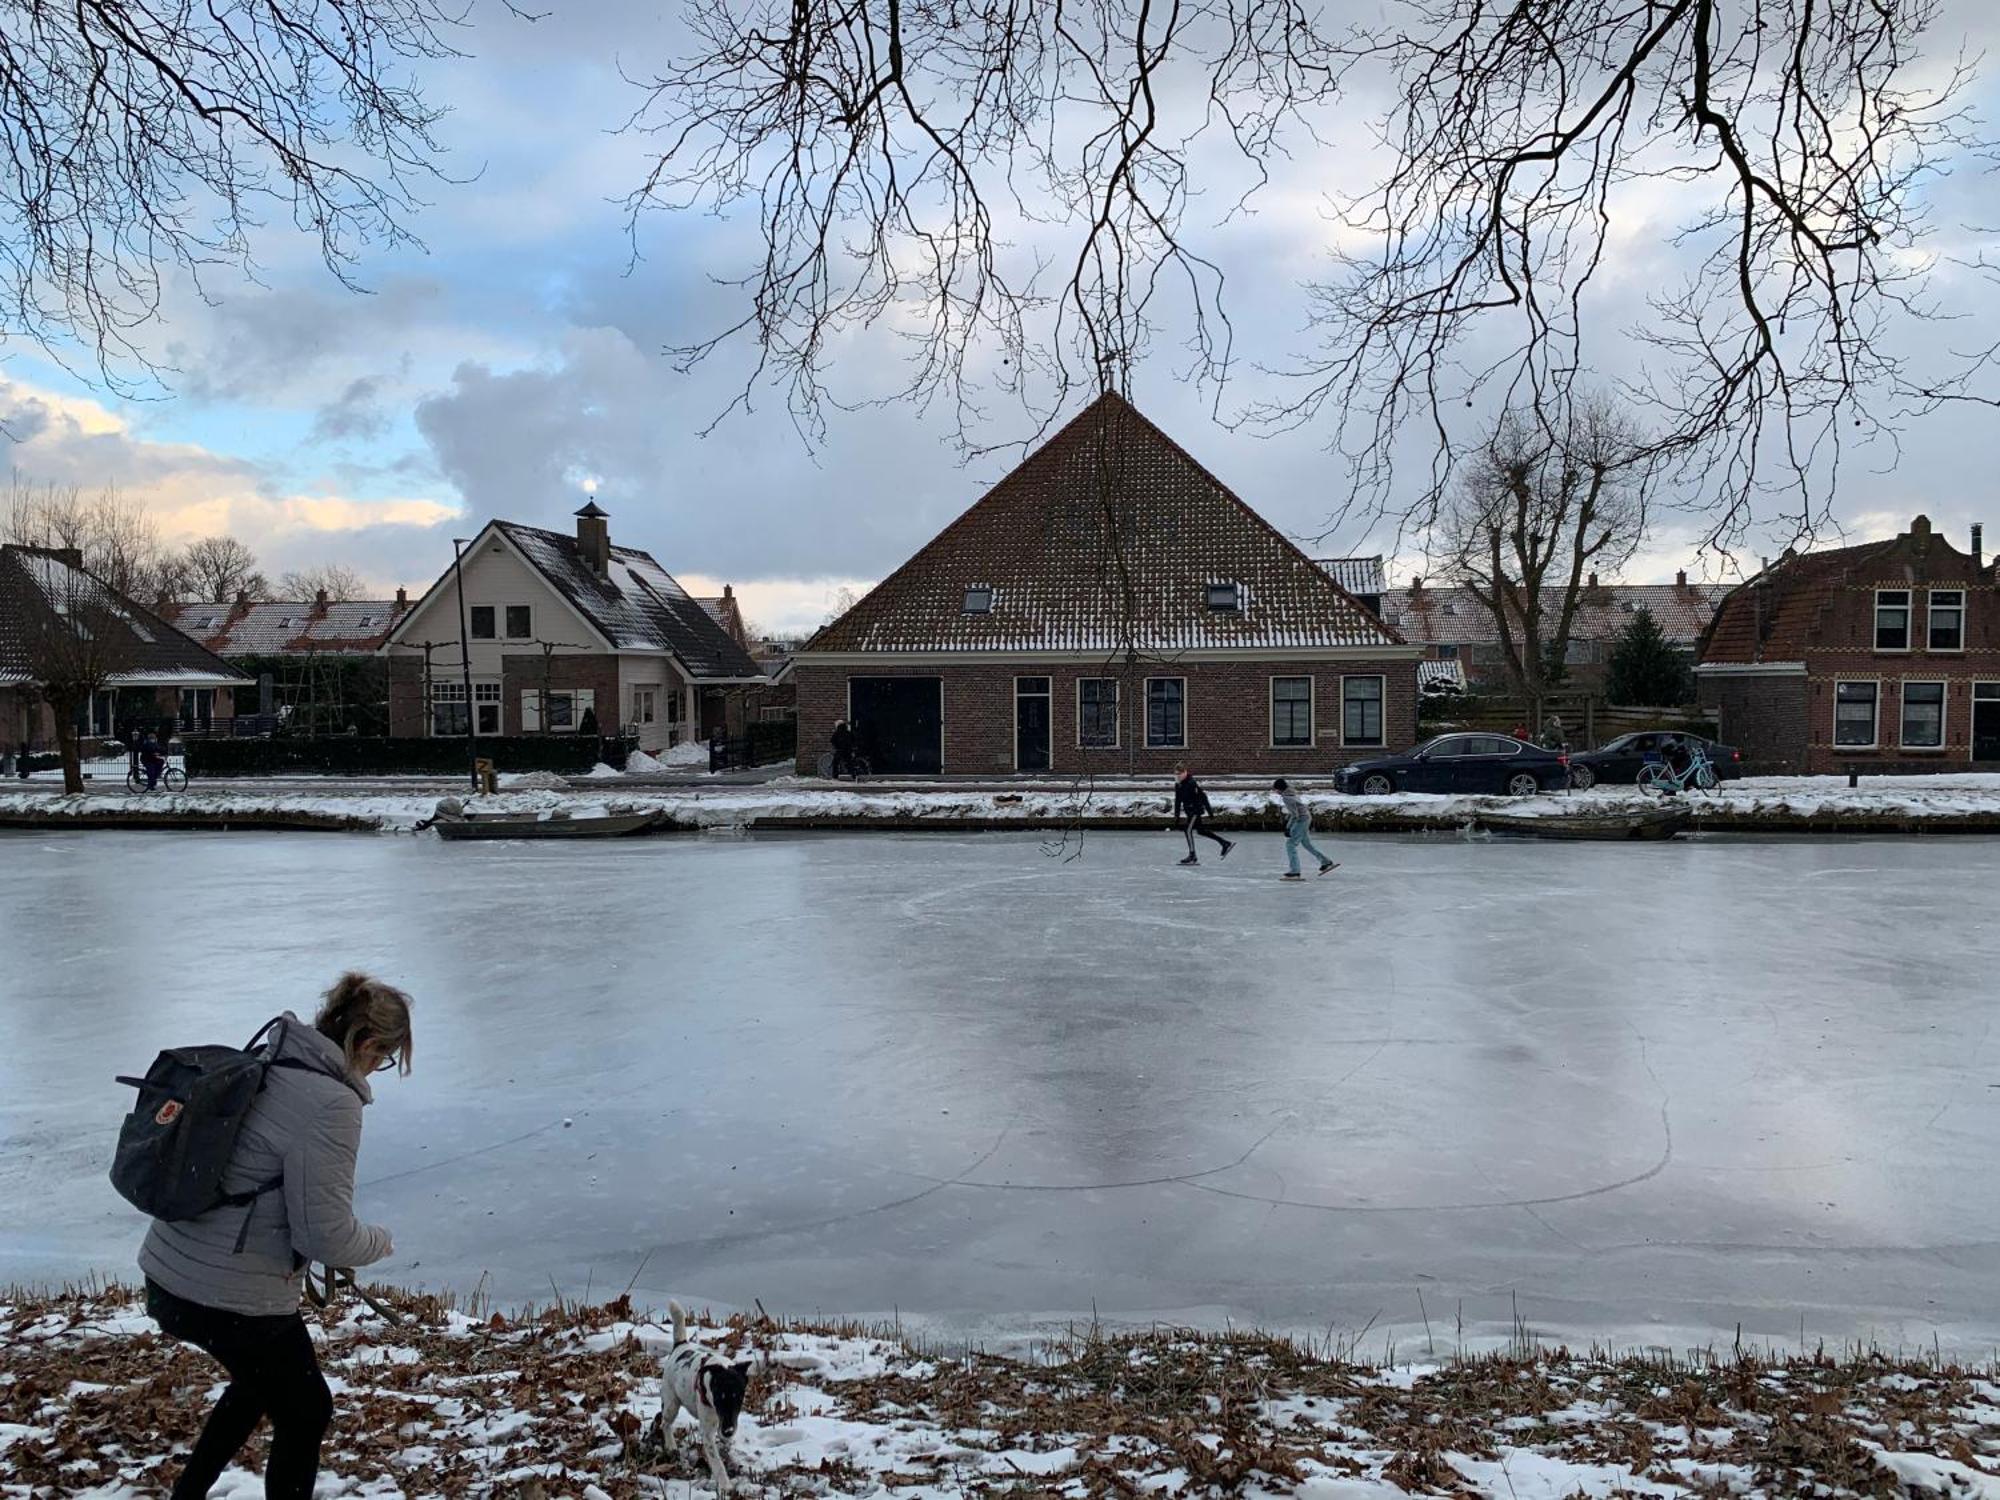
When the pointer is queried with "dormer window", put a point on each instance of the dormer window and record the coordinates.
(1225, 598)
(979, 599)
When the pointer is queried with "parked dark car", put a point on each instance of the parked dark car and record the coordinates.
(1460, 763)
(1617, 762)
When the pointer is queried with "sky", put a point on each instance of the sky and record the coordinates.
(520, 353)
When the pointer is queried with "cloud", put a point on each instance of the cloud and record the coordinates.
(190, 491)
(356, 414)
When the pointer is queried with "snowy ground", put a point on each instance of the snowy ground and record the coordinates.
(1639, 1093)
(558, 1405)
(1764, 803)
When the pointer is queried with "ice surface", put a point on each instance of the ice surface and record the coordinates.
(1638, 1092)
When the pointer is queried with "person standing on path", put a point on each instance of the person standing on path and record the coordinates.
(229, 1284)
(1190, 807)
(1298, 832)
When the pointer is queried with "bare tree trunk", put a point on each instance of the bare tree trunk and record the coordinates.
(65, 707)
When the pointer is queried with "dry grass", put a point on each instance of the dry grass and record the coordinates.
(1117, 1413)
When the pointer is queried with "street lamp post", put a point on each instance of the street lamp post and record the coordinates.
(458, 546)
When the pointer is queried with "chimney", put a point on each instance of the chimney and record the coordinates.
(593, 538)
(242, 599)
(1978, 545)
(402, 600)
(319, 602)
(1681, 579)
(1593, 580)
(728, 592)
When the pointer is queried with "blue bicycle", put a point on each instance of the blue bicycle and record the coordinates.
(1658, 776)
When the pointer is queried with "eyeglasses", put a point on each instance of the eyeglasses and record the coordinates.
(393, 1060)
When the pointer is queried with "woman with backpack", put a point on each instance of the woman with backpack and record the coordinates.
(228, 1281)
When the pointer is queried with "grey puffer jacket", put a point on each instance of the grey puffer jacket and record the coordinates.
(305, 1129)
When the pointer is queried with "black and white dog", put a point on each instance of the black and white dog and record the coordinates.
(710, 1388)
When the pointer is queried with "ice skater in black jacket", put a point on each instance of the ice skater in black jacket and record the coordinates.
(1190, 807)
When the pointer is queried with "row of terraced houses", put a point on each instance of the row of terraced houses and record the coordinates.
(1110, 605)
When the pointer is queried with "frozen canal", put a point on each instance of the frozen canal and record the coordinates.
(1640, 1092)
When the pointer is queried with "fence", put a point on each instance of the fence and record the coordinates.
(762, 742)
(356, 755)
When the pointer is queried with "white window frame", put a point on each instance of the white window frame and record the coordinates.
(1909, 627)
(1381, 706)
(1903, 710)
(487, 694)
(1150, 742)
(446, 691)
(645, 703)
(506, 632)
(1930, 621)
(1117, 714)
(1014, 710)
(1271, 710)
(1874, 682)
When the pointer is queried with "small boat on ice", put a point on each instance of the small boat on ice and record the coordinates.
(453, 822)
(1645, 824)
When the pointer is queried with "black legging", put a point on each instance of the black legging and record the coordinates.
(1194, 826)
(273, 1373)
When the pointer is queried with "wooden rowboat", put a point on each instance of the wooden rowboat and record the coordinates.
(556, 826)
(1648, 824)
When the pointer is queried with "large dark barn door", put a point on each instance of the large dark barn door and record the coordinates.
(899, 721)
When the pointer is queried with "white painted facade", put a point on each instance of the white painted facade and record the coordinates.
(498, 579)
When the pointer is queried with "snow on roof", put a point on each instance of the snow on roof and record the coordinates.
(1358, 575)
(1042, 540)
(637, 606)
(1444, 674)
(1452, 616)
(356, 627)
(35, 581)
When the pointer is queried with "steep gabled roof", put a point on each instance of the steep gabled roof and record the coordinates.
(1453, 616)
(34, 581)
(1108, 505)
(637, 607)
(287, 628)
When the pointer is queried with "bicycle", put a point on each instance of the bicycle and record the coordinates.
(857, 766)
(1658, 776)
(172, 779)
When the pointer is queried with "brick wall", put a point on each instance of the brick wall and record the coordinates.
(1764, 717)
(1227, 712)
(527, 672)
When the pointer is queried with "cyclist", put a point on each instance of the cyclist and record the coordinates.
(842, 740)
(152, 760)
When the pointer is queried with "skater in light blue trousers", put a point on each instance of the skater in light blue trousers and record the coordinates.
(1298, 832)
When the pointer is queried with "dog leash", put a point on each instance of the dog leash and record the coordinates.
(337, 1279)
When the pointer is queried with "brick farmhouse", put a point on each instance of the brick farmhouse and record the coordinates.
(1883, 657)
(560, 627)
(1109, 606)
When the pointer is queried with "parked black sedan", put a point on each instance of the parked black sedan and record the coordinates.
(1618, 761)
(1460, 763)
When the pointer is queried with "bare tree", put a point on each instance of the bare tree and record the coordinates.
(116, 539)
(340, 583)
(73, 635)
(1533, 518)
(145, 136)
(221, 567)
(1006, 185)
(1775, 151)
(1007, 188)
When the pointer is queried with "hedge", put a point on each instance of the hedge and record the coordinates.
(343, 755)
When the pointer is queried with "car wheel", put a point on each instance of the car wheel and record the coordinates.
(1523, 784)
(1582, 778)
(1377, 785)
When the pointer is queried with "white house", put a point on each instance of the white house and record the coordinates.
(558, 627)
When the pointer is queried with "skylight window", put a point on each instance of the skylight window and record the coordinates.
(979, 599)
(364, 622)
(207, 622)
(1225, 598)
(284, 622)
